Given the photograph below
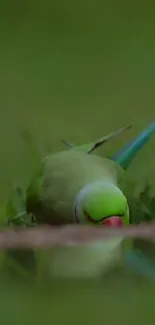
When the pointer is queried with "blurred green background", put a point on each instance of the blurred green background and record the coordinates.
(94, 302)
(75, 70)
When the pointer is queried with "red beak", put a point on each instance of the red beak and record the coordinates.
(114, 221)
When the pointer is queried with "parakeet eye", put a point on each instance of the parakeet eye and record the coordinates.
(89, 218)
(101, 220)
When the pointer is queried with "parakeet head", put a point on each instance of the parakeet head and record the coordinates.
(101, 203)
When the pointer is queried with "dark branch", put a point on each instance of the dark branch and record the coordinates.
(69, 235)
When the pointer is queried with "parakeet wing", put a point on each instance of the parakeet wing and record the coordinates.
(90, 147)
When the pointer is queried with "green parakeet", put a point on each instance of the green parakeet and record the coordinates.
(74, 186)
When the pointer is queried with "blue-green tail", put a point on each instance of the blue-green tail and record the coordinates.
(125, 156)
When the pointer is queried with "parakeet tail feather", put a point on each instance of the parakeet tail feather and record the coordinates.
(125, 156)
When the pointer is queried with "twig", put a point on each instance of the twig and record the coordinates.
(45, 237)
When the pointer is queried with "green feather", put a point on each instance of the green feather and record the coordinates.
(125, 156)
